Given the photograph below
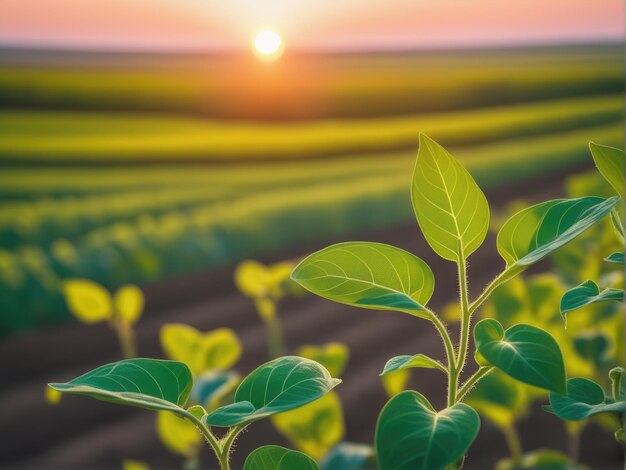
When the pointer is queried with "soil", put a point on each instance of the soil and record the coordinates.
(82, 433)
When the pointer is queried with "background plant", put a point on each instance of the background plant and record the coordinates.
(454, 217)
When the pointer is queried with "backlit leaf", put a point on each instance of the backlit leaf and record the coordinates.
(451, 210)
(277, 386)
(610, 163)
(537, 231)
(314, 428)
(177, 434)
(584, 398)
(278, 458)
(588, 293)
(524, 352)
(144, 383)
(333, 356)
(88, 301)
(369, 275)
(409, 362)
(128, 302)
(410, 434)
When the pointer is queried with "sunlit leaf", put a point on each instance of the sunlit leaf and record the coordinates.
(333, 356)
(451, 210)
(278, 458)
(617, 258)
(178, 435)
(250, 278)
(584, 398)
(53, 397)
(277, 386)
(88, 301)
(410, 434)
(610, 163)
(537, 231)
(588, 293)
(395, 381)
(128, 302)
(349, 456)
(409, 362)
(524, 352)
(144, 383)
(369, 275)
(314, 428)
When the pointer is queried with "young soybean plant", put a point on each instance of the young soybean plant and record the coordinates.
(280, 385)
(453, 214)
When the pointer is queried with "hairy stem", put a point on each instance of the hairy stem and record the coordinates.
(473, 381)
(450, 355)
(500, 279)
(465, 315)
(226, 445)
(208, 435)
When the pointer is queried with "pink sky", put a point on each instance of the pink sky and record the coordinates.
(329, 24)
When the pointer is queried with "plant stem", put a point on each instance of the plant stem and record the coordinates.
(617, 224)
(472, 381)
(500, 279)
(208, 435)
(450, 356)
(226, 444)
(465, 315)
(275, 342)
(126, 337)
(513, 442)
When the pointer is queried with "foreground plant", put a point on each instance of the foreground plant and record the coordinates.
(275, 387)
(453, 215)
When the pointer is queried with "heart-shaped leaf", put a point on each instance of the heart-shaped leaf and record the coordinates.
(537, 231)
(451, 210)
(278, 458)
(409, 362)
(610, 163)
(145, 383)
(524, 352)
(314, 428)
(333, 356)
(279, 385)
(588, 293)
(410, 434)
(584, 398)
(369, 275)
(349, 456)
(617, 258)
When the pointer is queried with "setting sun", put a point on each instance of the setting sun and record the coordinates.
(268, 45)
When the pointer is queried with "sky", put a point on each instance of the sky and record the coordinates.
(306, 24)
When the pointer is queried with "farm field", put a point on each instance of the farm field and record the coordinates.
(166, 171)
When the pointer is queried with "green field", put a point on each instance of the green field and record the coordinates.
(95, 184)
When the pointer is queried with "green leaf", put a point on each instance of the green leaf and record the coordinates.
(451, 210)
(279, 385)
(618, 383)
(349, 456)
(588, 293)
(610, 163)
(617, 258)
(333, 356)
(524, 352)
(584, 398)
(542, 459)
(500, 399)
(408, 362)
(278, 458)
(369, 275)
(411, 434)
(592, 346)
(535, 232)
(145, 383)
(314, 428)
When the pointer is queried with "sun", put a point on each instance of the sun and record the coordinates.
(268, 45)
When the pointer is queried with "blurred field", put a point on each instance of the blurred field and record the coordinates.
(133, 168)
